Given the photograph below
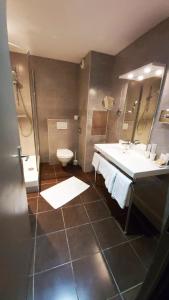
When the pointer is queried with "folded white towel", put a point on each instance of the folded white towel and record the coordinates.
(121, 189)
(96, 160)
(109, 172)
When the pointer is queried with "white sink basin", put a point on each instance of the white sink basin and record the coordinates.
(130, 161)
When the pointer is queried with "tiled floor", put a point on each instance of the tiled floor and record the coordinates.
(80, 250)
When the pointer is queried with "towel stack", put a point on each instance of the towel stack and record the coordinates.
(117, 184)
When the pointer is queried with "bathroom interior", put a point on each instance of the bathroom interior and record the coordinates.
(103, 118)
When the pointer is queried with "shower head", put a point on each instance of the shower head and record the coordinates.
(15, 80)
(14, 77)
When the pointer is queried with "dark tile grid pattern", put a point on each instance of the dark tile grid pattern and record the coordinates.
(79, 245)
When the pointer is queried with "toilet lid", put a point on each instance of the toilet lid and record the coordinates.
(64, 153)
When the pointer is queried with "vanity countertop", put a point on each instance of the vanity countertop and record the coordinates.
(130, 161)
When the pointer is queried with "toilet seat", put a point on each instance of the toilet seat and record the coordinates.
(64, 153)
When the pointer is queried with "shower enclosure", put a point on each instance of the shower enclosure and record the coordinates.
(25, 99)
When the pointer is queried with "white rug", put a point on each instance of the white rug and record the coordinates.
(64, 191)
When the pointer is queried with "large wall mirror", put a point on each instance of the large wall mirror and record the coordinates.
(141, 103)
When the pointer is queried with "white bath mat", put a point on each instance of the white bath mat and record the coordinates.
(64, 191)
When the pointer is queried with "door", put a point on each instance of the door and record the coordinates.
(15, 241)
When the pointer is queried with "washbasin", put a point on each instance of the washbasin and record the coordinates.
(130, 161)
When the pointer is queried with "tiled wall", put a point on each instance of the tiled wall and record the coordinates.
(152, 47)
(61, 138)
(84, 78)
(98, 84)
(56, 94)
(19, 62)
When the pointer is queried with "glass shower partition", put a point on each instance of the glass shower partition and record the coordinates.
(26, 110)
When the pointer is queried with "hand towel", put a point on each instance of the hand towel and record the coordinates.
(96, 160)
(109, 172)
(121, 189)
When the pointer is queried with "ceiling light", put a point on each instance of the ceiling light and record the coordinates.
(130, 76)
(140, 77)
(147, 70)
(159, 72)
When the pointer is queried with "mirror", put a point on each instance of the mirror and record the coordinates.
(108, 102)
(141, 102)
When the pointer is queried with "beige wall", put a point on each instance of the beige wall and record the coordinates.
(152, 47)
(19, 63)
(56, 95)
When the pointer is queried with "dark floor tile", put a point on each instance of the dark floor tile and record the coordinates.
(32, 195)
(47, 171)
(74, 216)
(61, 173)
(82, 241)
(145, 248)
(125, 265)
(118, 297)
(93, 279)
(46, 186)
(51, 251)
(97, 210)
(131, 294)
(30, 288)
(46, 167)
(43, 205)
(108, 233)
(48, 181)
(76, 201)
(49, 222)
(32, 205)
(56, 284)
(32, 220)
(31, 260)
(90, 195)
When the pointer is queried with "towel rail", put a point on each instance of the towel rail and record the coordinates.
(131, 194)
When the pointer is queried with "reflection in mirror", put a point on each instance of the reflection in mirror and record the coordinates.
(141, 104)
(108, 102)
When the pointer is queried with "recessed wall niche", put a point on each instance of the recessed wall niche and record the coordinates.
(99, 122)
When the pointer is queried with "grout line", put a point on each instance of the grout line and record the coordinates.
(66, 263)
(74, 227)
(132, 239)
(70, 257)
(48, 183)
(98, 192)
(52, 268)
(138, 256)
(102, 252)
(73, 205)
(133, 287)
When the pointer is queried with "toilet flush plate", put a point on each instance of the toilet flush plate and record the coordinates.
(61, 125)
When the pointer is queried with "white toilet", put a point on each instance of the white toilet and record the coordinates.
(64, 156)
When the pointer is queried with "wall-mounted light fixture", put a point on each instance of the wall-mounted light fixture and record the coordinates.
(147, 71)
